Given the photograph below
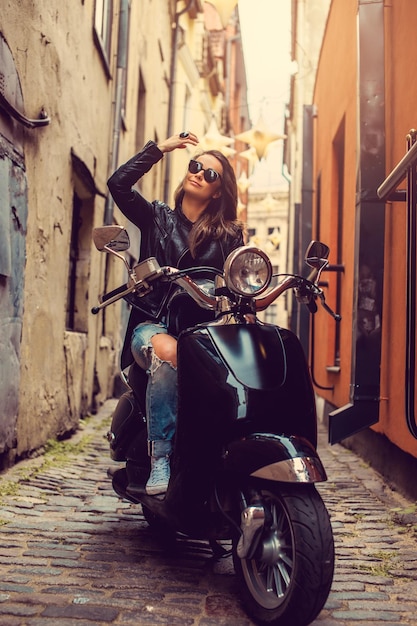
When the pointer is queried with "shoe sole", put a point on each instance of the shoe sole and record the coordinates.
(156, 491)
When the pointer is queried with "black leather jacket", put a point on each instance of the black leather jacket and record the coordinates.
(164, 235)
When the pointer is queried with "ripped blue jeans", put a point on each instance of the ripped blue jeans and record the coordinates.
(161, 392)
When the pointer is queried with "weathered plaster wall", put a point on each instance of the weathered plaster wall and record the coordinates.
(65, 373)
(51, 44)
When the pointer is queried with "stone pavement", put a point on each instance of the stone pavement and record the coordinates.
(73, 554)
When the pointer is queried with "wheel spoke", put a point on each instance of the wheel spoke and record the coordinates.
(285, 575)
(277, 574)
(287, 560)
(278, 518)
(270, 578)
(279, 588)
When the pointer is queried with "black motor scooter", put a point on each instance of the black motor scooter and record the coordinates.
(244, 463)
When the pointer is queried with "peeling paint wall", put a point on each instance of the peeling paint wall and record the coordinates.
(64, 372)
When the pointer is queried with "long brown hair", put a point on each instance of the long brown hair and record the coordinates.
(220, 216)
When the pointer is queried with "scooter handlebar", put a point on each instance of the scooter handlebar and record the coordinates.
(111, 297)
(113, 293)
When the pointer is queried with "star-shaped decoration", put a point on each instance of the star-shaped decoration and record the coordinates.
(259, 137)
(213, 139)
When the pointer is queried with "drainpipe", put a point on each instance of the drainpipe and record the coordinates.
(172, 83)
(117, 121)
(301, 316)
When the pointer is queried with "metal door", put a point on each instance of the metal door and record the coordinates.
(13, 218)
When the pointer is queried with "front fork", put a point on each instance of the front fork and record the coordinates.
(253, 520)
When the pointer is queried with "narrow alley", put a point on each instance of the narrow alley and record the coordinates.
(73, 554)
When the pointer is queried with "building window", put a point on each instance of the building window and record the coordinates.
(271, 314)
(252, 239)
(273, 229)
(102, 30)
(274, 238)
(79, 264)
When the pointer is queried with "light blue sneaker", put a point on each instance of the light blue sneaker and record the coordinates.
(159, 477)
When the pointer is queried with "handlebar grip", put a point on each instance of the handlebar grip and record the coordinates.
(115, 292)
(95, 310)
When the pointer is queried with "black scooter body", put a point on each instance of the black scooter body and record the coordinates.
(244, 460)
(243, 378)
(245, 403)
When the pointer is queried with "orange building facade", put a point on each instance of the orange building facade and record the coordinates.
(364, 105)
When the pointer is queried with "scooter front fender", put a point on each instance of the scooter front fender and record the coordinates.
(275, 457)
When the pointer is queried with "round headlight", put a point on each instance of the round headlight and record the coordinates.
(247, 271)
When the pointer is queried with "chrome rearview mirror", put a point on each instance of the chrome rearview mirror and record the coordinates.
(317, 255)
(111, 238)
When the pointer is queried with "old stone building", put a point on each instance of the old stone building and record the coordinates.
(83, 85)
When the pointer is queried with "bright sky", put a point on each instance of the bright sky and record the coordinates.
(266, 27)
(266, 39)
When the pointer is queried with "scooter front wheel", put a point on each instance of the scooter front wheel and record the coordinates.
(288, 578)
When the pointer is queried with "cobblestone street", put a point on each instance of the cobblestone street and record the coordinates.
(72, 554)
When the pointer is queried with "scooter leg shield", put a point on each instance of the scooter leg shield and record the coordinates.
(124, 435)
(275, 457)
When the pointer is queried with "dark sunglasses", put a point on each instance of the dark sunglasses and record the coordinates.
(210, 175)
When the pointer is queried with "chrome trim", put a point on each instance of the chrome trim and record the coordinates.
(194, 290)
(111, 437)
(125, 378)
(146, 270)
(252, 519)
(228, 265)
(297, 470)
(263, 302)
(198, 294)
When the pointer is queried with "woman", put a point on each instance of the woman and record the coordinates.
(201, 231)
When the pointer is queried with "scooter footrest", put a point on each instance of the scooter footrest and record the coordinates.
(119, 481)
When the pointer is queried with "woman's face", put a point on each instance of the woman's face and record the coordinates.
(197, 185)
